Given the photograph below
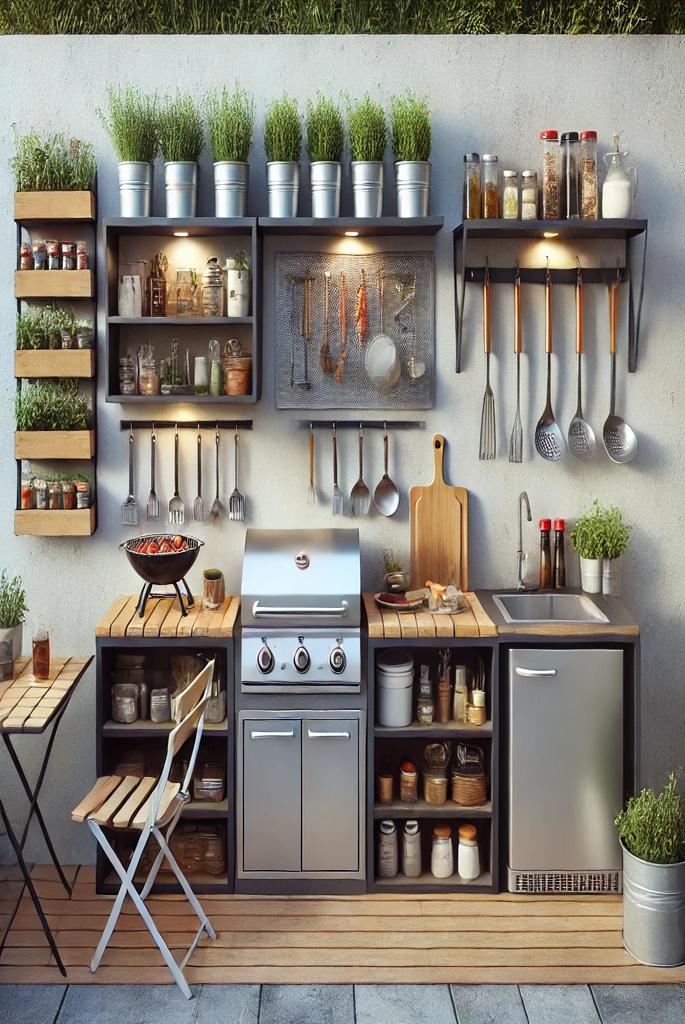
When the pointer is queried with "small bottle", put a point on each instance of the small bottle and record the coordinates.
(425, 706)
(529, 195)
(510, 195)
(490, 186)
(387, 850)
(569, 176)
(41, 652)
(472, 190)
(461, 694)
(411, 850)
(409, 783)
(468, 859)
(545, 554)
(550, 174)
(559, 573)
(589, 191)
(442, 854)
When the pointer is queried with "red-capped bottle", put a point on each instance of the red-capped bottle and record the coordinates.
(559, 572)
(545, 554)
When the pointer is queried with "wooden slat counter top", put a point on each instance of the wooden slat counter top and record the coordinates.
(385, 624)
(163, 618)
(28, 704)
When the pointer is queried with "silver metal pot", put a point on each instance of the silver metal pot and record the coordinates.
(180, 183)
(654, 911)
(325, 182)
(283, 184)
(135, 188)
(367, 188)
(413, 187)
(230, 188)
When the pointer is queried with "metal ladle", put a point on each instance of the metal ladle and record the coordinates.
(620, 440)
(386, 497)
(581, 436)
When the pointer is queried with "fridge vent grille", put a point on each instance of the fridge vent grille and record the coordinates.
(567, 881)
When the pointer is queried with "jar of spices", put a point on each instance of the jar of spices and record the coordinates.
(510, 195)
(589, 194)
(52, 248)
(409, 783)
(411, 850)
(81, 256)
(468, 858)
(461, 694)
(213, 289)
(148, 381)
(40, 491)
(39, 252)
(490, 186)
(68, 251)
(442, 855)
(424, 703)
(387, 850)
(127, 376)
(25, 256)
(84, 337)
(442, 711)
(384, 787)
(551, 209)
(82, 494)
(54, 495)
(67, 337)
(435, 787)
(68, 494)
(529, 195)
(26, 496)
(569, 176)
(472, 190)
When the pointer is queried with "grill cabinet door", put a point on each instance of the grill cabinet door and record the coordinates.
(330, 794)
(271, 795)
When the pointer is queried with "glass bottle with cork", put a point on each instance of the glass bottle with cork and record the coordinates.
(490, 186)
(545, 554)
(472, 189)
(559, 570)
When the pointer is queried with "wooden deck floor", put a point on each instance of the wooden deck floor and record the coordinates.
(367, 939)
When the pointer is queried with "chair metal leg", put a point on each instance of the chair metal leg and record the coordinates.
(185, 885)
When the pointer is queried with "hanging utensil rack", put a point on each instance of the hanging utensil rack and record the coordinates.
(364, 424)
(186, 425)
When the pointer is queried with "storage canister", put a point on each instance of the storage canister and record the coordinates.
(529, 195)
(442, 855)
(472, 192)
(510, 195)
(468, 859)
(490, 186)
(387, 850)
(409, 783)
(551, 208)
(394, 679)
(435, 787)
(569, 176)
(589, 192)
(411, 850)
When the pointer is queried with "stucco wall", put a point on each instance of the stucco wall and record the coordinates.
(489, 94)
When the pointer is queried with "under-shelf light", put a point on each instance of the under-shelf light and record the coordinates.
(352, 234)
(550, 234)
(181, 234)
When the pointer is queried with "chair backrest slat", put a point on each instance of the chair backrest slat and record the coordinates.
(193, 692)
(187, 727)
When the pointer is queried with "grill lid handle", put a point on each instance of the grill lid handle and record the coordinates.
(259, 611)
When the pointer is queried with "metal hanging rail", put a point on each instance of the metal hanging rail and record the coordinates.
(186, 425)
(316, 424)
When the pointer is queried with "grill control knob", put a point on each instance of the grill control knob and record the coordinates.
(265, 659)
(337, 660)
(301, 659)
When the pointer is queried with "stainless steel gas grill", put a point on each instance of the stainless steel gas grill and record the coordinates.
(301, 612)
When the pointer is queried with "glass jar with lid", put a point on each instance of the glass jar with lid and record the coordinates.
(186, 286)
(442, 855)
(589, 194)
(551, 209)
(490, 186)
(569, 176)
(468, 858)
(529, 195)
(472, 190)
(149, 381)
(127, 376)
(510, 195)
(213, 289)
(54, 494)
(425, 706)
(68, 494)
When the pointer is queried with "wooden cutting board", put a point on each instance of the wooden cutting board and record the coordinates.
(439, 529)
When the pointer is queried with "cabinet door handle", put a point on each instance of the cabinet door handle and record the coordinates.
(312, 735)
(535, 671)
(285, 734)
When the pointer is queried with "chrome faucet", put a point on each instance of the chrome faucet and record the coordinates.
(523, 497)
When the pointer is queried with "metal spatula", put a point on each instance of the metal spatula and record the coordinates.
(217, 510)
(236, 502)
(361, 495)
(153, 500)
(338, 503)
(129, 510)
(199, 505)
(177, 511)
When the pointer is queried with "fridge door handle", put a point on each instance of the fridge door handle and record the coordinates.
(535, 671)
(285, 734)
(313, 735)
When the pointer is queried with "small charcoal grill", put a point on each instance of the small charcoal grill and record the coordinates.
(163, 569)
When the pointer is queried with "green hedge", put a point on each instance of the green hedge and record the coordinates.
(424, 17)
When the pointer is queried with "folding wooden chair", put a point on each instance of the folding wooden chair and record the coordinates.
(153, 807)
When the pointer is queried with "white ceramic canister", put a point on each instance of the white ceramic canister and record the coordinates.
(442, 855)
(411, 850)
(468, 857)
(394, 685)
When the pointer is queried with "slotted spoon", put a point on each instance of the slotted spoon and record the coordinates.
(549, 440)
(488, 438)
(153, 500)
(198, 504)
(129, 510)
(620, 440)
(217, 510)
(236, 502)
(581, 436)
(177, 511)
(360, 496)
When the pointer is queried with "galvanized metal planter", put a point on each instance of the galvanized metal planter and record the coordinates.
(230, 188)
(180, 184)
(413, 187)
(654, 911)
(135, 188)
(283, 184)
(325, 178)
(367, 188)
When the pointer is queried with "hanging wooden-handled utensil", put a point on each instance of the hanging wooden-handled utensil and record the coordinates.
(549, 440)
(382, 362)
(620, 440)
(516, 442)
(199, 505)
(326, 365)
(129, 510)
(236, 501)
(305, 331)
(342, 317)
(488, 437)
(386, 497)
(360, 497)
(153, 500)
(581, 436)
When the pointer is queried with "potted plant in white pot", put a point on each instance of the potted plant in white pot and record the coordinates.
(230, 118)
(325, 143)
(615, 538)
(411, 143)
(181, 138)
(283, 145)
(652, 833)
(238, 285)
(586, 538)
(12, 615)
(368, 135)
(131, 124)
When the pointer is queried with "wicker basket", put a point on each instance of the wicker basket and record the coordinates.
(469, 781)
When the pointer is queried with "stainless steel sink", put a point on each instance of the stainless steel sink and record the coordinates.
(548, 608)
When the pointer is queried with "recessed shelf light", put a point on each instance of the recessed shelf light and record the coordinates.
(181, 234)
(351, 234)
(550, 234)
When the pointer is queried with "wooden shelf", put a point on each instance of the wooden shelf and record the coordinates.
(180, 321)
(453, 730)
(364, 227)
(38, 207)
(54, 444)
(501, 228)
(79, 522)
(53, 284)
(163, 619)
(421, 809)
(70, 362)
(145, 729)
(427, 883)
(205, 810)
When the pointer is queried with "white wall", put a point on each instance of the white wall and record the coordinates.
(486, 93)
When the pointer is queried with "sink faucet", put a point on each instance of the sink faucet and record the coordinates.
(523, 497)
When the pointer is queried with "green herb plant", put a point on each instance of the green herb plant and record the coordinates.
(52, 405)
(652, 827)
(325, 129)
(367, 130)
(230, 119)
(38, 324)
(616, 533)
(131, 124)
(180, 129)
(283, 130)
(51, 164)
(600, 533)
(411, 127)
(390, 562)
(241, 261)
(12, 601)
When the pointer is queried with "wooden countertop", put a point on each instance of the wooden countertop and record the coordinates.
(28, 704)
(163, 619)
(386, 624)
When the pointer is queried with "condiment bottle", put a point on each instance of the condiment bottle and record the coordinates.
(490, 186)
(550, 174)
(569, 176)
(559, 572)
(384, 787)
(411, 850)
(529, 195)
(545, 554)
(442, 711)
(589, 195)
(409, 783)
(424, 705)
(468, 858)
(442, 855)
(472, 190)
(461, 694)
(510, 195)
(387, 850)
(620, 185)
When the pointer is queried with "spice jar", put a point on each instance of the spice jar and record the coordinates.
(472, 190)
(54, 495)
(424, 703)
(213, 289)
(82, 494)
(589, 195)
(569, 176)
(68, 251)
(435, 787)
(510, 195)
(442, 855)
(40, 491)
(384, 787)
(25, 256)
(409, 783)
(26, 496)
(387, 850)
(39, 252)
(490, 186)
(68, 494)
(442, 711)
(67, 337)
(529, 195)
(411, 850)
(81, 256)
(468, 858)
(125, 703)
(127, 376)
(550, 174)
(52, 249)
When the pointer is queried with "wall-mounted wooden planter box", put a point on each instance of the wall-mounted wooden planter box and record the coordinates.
(69, 362)
(54, 444)
(79, 522)
(53, 284)
(42, 206)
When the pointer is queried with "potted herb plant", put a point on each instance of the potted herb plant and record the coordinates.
(283, 144)
(615, 538)
(53, 421)
(411, 143)
(181, 138)
(395, 579)
(652, 832)
(12, 615)
(238, 285)
(54, 178)
(368, 137)
(131, 124)
(230, 118)
(586, 539)
(31, 328)
(325, 142)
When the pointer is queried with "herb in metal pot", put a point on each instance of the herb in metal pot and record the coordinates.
(283, 131)
(12, 601)
(325, 130)
(652, 827)
(180, 130)
(367, 130)
(132, 124)
(411, 127)
(230, 119)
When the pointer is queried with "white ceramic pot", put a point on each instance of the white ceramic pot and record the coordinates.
(135, 188)
(611, 577)
(325, 184)
(10, 649)
(394, 688)
(591, 575)
(230, 188)
(180, 185)
(413, 187)
(237, 290)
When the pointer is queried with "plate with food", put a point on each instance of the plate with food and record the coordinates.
(397, 602)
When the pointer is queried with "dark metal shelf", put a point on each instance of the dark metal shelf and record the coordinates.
(427, 883)
(205, 810)
(364, 227)
(421, 809)
(183, 399)
(186, 425)
(196, 227)
(550, 229)
(179, 321)
(450, 731)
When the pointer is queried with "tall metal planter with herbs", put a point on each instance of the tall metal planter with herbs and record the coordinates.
(411, 143)
(325, 142)
(12, 615)
(181, 138)
(283, 145)
(131, 123)
(367, 133)
(230, 119)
